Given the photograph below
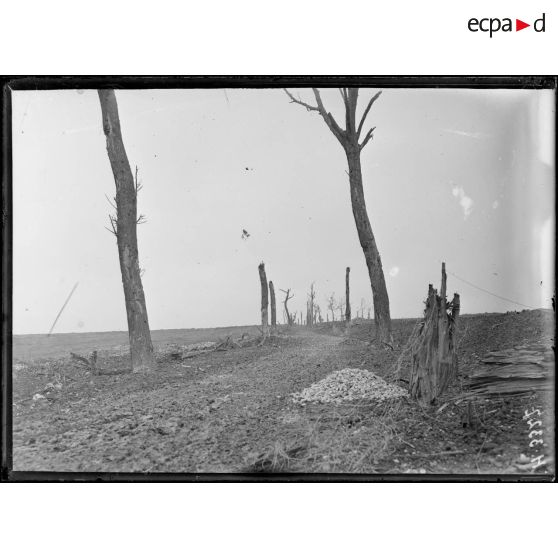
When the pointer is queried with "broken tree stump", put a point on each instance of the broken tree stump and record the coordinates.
(434, 355)
(265, 301)
(273, 308)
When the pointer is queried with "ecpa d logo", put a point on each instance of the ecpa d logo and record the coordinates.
(492, 25)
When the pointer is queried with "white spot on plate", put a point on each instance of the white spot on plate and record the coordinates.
(465, 201)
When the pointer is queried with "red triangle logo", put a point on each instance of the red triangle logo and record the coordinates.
(519, 25)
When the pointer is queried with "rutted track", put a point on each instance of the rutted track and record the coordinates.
(212, 413)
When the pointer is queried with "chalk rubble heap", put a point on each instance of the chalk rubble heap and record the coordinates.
(349, 384)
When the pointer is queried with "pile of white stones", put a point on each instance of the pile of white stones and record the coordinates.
(349, 384)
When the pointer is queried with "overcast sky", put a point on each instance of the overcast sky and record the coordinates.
(462, 176)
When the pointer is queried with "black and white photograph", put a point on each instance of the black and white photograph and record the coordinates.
(311, 279)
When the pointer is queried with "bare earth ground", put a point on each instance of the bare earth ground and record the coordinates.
(230, 411)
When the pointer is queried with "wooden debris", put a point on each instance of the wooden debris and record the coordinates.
(80, 359)
(90, 363)
(514, 371)
(228, 343)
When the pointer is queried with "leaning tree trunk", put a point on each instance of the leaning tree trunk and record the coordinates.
(347, 296)
(368, 243)
(434, 354)
(141, 348)
(273, 308)
(265, 301)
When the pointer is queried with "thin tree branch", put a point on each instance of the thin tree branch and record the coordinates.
(347, 110)
(352, 100)
(142, 219)
(112, 204)
(113, 225)
(287, 293)
(338, 132)
(365, 114)
(343, 91)
(300, 102)
(367, 138)
(137, 184)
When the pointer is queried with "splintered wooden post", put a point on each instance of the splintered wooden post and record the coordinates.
(273, 308)
(265, 301)
(434, 354)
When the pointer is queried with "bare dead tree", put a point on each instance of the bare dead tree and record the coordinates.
(288, 296)
(310, 304)
(341, 307)
(124, 226)
(265, 301)
(349, 138)
(332, 305)
(347, 296)
(316, 313)
(273, 308)
(362, 307)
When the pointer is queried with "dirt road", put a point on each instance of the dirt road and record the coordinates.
(230, 412)
(212, 413)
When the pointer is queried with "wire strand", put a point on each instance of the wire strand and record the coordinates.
(488, 292)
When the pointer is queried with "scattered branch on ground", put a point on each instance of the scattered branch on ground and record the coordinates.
(90, 363)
